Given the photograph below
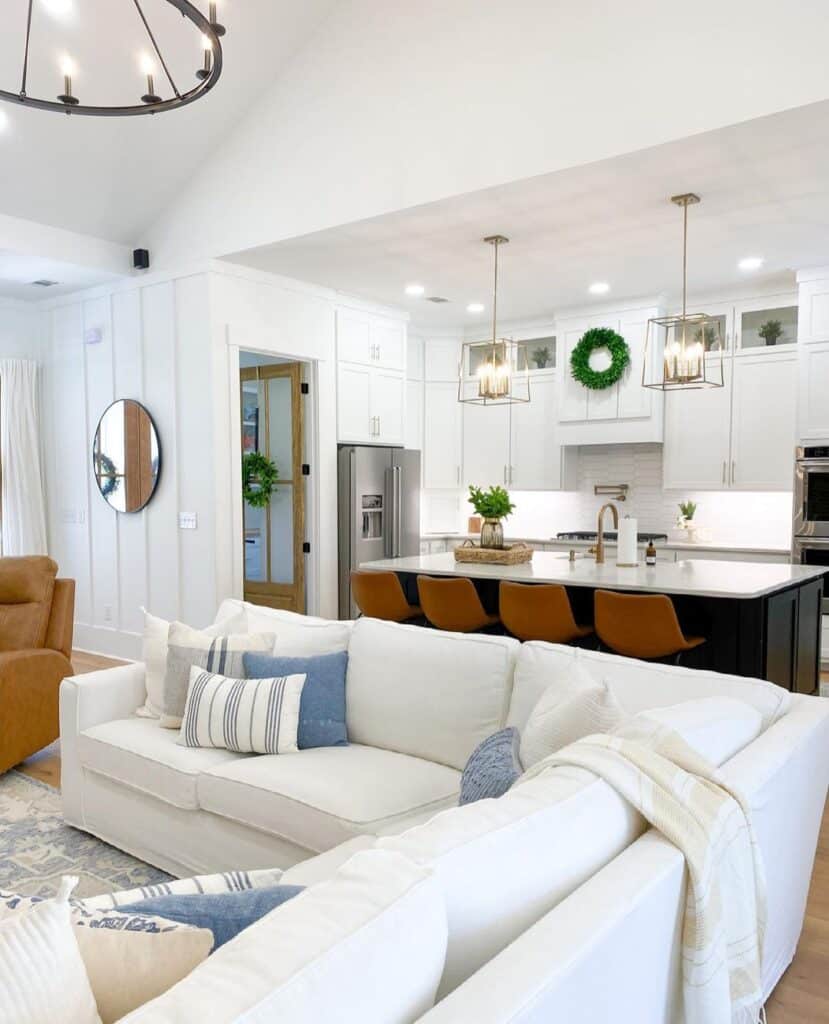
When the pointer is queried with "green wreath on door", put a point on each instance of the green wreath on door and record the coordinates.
(599, 337)
(258, 469)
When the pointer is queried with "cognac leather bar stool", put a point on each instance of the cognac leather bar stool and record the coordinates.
(379, 595)
(539, 611)
(641, 625)
(453, 604)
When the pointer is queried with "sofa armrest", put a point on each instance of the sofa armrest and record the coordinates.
(88, 700)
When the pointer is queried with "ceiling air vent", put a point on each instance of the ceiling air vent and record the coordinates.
(436, 298)
(44, 283)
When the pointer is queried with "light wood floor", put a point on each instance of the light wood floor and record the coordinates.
(802, 997)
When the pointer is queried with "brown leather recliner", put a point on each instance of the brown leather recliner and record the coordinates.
(36, 617)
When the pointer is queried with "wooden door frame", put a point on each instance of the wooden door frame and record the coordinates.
(281, 595)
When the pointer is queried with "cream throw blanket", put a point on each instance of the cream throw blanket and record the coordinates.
(686, 799)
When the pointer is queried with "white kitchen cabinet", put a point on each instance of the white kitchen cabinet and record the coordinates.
(813, 393)
(750, 315)
(441, 359)
(763, 422)
(813, 302)
(486, 436)
(414, 415)
(442, 434)
(535, 454)
(623, 413)
(371, 405)
(697, 449)
(371, 340)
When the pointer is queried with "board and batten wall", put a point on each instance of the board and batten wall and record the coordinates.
(154, 347)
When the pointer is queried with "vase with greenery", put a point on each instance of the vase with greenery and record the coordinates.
(709, 337)
(541, 356)
(492, 506)
(770, 331)
(685, 520)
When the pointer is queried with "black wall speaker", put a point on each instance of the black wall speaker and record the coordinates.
(141, 259)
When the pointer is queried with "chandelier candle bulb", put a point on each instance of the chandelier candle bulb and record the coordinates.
(626, 552)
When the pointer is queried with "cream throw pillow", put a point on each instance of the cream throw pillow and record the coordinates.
(128, 958)
(154, 655)
(553, 722)
(42, 975)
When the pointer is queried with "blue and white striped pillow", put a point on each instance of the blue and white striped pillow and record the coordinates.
(250, 716)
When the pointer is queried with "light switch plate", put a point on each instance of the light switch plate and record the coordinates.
(188, 521)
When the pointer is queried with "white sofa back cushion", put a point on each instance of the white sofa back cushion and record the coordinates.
(366, 947)
(637, 685)
(504, 863)
(716, 727)
(297, 635)
(424, 692)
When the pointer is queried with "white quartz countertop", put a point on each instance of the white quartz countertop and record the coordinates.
(665, 545)
(706, 578)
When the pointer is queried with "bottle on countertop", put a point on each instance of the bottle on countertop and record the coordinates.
(650, 554)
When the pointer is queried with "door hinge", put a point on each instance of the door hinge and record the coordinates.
(306, 469)
(306, 548)
(303, 387)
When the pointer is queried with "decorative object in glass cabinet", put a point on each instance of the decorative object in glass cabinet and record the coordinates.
(763, 328)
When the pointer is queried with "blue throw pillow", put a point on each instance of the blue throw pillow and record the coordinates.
(225, 913)
(322, 705)
(492, 768)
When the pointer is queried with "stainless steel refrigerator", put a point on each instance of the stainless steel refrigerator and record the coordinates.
(379, 509)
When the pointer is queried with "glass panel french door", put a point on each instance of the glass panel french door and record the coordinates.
(271, 407)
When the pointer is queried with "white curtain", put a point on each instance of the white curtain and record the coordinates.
(23, 509)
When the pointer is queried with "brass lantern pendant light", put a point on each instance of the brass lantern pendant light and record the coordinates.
(691, 343)
(496, 371)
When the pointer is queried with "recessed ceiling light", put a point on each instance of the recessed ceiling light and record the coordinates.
(475, 307)
(599, 288)
(415, 289)
(57, 8)
(751, 263)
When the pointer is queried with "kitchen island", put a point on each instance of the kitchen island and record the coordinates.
(760, 619)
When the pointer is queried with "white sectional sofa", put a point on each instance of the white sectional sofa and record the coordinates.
(557, 884)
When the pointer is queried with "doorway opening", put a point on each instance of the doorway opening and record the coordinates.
(271, 406)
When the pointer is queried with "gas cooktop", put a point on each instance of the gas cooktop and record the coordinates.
(645, 538)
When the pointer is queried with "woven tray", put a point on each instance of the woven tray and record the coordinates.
(510, 554)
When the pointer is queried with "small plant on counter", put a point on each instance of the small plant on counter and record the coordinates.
(770, 331)
(688, 510)
(491, 504)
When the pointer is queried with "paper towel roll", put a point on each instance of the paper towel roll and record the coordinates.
(626, 552)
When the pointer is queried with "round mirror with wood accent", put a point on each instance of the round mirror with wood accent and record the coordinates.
(126, 457)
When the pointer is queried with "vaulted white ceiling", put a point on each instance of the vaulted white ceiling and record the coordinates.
(109, 177)
(765, 191)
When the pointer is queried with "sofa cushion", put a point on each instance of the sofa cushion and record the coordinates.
(135, 752)
(366, 947)
(716, 727)
(296, 635)
(637, 685)
(504, 863)
(492, 768)
(321, 797)
(424, 692)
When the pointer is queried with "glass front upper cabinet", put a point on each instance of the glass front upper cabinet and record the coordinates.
(533, 353)
(768, 328)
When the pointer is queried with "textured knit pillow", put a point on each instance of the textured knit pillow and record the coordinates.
(129, 958)
(259, 716)
(42, 976)
(154, 654)
(187, 647)
(553, 723)
(322, 709)
(223, 914)
(492, 767)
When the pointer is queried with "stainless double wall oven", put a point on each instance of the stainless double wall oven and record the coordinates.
(810, 532)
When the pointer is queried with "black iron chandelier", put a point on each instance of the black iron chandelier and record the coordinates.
(150, 102)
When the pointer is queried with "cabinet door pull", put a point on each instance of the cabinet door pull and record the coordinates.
(378, 353)
(733, 471)
(458, 474)
(378, 427)
(723, 470)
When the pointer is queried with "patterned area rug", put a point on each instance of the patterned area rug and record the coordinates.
(37, 847)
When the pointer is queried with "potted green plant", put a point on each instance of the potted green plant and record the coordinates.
(541, 356)
(708, 337)
(492, 506)
(770, 331)
(687, 511)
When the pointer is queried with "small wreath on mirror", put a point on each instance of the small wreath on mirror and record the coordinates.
(259, 476)
(108, 479)
(599, 337)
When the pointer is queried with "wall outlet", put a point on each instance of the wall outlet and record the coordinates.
(107, 613)
(188, 521)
